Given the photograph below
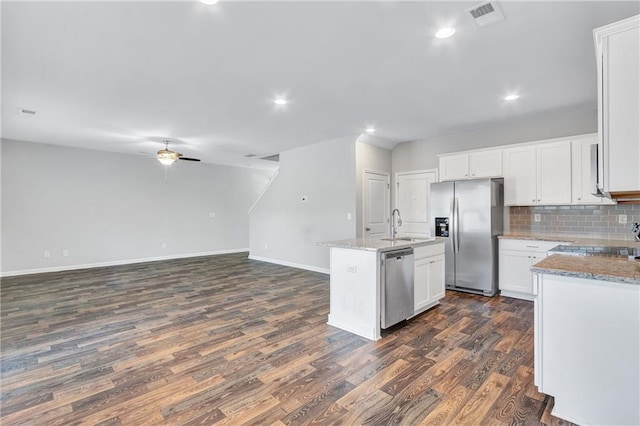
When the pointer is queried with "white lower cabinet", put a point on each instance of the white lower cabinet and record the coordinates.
(515, 260)
(428, 278)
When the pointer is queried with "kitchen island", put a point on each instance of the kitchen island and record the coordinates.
(355, 285)
(587, 337)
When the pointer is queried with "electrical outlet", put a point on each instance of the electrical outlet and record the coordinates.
(65, 253)
(622, 219)
(266, 246)
(349, 216)
(164, 245)
(47, 254)
(212, 215)
(536, 217)
(352, 269)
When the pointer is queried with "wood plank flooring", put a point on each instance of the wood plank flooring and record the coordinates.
(227, 340)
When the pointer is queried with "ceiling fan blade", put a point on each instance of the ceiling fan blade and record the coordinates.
(188, 159)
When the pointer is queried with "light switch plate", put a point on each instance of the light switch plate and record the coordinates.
(622, 219)
(536, 217)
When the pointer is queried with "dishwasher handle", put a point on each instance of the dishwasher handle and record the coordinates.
(396, 253)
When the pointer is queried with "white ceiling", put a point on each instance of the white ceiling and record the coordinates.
(123, 76)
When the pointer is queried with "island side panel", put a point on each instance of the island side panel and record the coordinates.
(355, 292)
(591, 349)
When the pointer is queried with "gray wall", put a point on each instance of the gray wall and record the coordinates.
(113, 208)
(422, 154)
(368, 157)
(286, 230)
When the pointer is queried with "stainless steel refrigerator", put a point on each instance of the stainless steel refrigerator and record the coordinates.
(469, 214)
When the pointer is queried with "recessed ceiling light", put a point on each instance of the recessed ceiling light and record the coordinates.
(445, 32)
(371, 130)
(208, 1)
(512, 97)
(280, 101)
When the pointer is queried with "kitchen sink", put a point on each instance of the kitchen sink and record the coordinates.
(411, 239)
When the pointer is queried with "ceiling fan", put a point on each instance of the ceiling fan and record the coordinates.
(168, 157)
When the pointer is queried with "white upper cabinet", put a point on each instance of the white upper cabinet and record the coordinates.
(554, 173)
(520, 176)
(538, 174)
(618, 55)
(484, 164)
(454, 167)
(472, 165)
(581, 179)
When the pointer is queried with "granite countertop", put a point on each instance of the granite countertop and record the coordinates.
(578, 241)
(380, 245)
(606, 268)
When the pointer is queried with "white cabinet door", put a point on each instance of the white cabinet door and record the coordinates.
(515, 260)
(619, 104)
(553, 173)
(514, 271)
(453, 167)
(484, 164)
(581, 173)
(428, 277)
(420, 284)
(436, 278)
(520, 176)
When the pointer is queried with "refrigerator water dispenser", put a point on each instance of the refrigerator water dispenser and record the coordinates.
(442, 226)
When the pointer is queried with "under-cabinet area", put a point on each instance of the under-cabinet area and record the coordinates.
(358, 284)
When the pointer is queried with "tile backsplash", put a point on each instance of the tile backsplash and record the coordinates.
(572, 221)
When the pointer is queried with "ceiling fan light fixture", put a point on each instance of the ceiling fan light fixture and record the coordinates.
(167, 160)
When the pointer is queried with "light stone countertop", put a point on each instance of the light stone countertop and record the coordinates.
(577, 241)
(606, 268)
(380, 245)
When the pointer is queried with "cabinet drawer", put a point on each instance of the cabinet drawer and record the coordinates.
(428, 251)
(529, 245)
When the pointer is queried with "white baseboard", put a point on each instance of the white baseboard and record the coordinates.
(117, 262)
(517, 295)
(348, 324)
(290, 264)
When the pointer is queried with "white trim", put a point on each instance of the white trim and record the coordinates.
(264, 190)
(290, 264)
(353, 326)
(117, 262)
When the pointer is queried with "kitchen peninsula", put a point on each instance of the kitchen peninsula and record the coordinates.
(587, 336)
(357, 279)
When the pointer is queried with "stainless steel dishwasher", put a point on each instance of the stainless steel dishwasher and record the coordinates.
(396, 286)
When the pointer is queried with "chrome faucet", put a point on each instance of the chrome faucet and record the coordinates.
(394, 227)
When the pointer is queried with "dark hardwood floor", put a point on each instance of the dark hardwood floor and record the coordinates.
(226, 340)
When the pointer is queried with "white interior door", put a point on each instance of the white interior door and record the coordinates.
(375, 204)
(412, 199)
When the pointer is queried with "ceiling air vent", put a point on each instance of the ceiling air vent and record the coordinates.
(275, 157)
(485, 13)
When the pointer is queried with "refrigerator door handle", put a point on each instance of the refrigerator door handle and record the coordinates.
(452, 233)
(456, 220)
